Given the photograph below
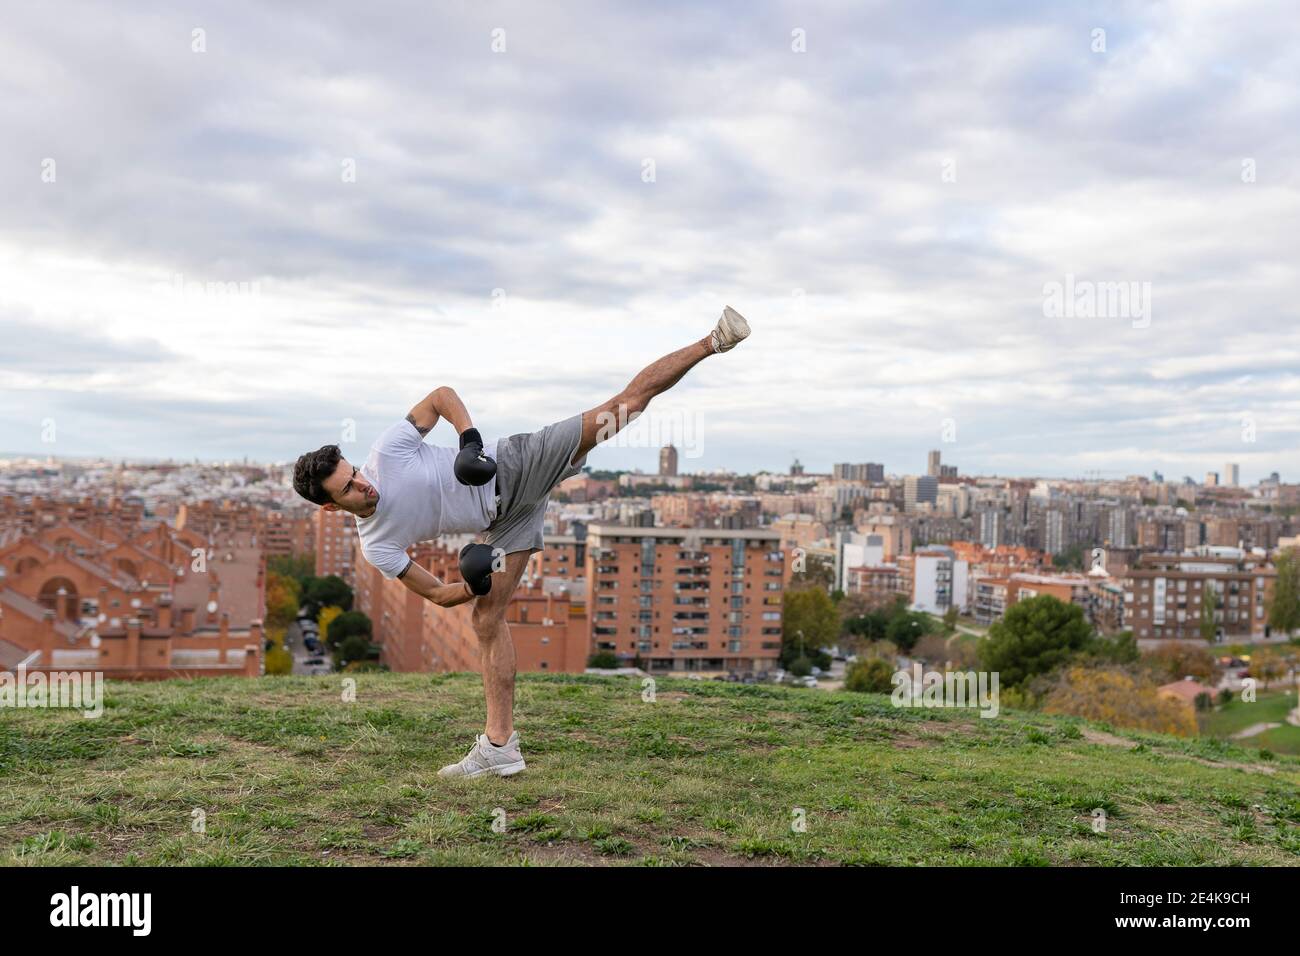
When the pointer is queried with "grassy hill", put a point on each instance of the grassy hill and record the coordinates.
(710, 773)
(1271, 708)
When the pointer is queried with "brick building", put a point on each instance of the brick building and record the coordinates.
(695, 600)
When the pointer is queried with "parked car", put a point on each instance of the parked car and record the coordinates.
(315, 661)
(808, 681)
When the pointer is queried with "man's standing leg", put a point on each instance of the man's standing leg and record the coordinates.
(496, 649)
(497, 750)
(604, 421)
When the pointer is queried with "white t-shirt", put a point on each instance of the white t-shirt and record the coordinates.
(419, 497)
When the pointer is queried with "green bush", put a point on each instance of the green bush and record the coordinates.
(870, 675)
(353, 649)
(278, 662)
(603, 659)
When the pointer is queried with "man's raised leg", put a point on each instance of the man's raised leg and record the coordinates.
(605, 421)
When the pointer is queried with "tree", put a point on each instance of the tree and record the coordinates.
(810, 623)
(907, 628)
(603, 659)
(281, 600)
(299, 567)
(870, 675)
(1171, 662)
(1267, 664)
(330, 589)
(1118, 697)
(1120, 649)
(348, 624)
(1035, 636)
(1209, 606)
(1071, 559)
(279, 662)
(326, 617)
(1284, 606)
(354, 649)
(950, 619)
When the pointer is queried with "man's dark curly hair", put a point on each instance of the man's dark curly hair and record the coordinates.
(313, 468)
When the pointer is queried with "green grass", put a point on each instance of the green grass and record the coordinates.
(285, 772)
(1268, 708)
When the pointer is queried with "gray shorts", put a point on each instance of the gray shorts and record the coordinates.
(529, 465)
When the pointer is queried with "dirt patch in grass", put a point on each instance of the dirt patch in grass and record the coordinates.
(1106, 739)
(567, 853)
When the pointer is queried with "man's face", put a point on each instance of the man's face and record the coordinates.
(350, 490)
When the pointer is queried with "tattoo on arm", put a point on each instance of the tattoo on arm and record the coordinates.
(423, 431)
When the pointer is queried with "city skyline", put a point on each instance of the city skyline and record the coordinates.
(1095, 475)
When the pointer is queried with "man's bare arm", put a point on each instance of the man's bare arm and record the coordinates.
(423, 583)
(442, 402)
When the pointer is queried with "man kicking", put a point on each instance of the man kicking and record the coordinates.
(409, 491)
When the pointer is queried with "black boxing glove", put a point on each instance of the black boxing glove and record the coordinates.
(473, 466)
(476, 567)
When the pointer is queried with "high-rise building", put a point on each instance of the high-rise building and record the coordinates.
(919, 489)
(933, 466)
(1119, 528)
(336, 544)
(686, 599)
(867, 471)
(1054, 531)
(992, 527)
(1231, 474)
(668, 461)
(1211, 479)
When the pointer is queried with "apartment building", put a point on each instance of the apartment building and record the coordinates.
(548, 625)
(1165, 593)
(285, 535)
(939, 580)
(920, 490)
(687, 600)
(994, 595)
(338, 551)
(865, 472)
(880, 584)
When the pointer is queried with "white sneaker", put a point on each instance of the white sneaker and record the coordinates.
(732, 329)
(485, 757)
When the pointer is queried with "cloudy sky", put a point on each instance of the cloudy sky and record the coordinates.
(227, 230)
